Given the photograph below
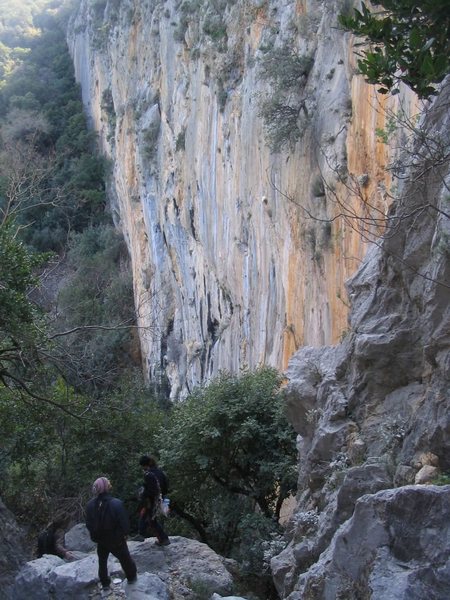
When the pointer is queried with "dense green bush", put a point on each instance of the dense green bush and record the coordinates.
(20, 320)
(282, 125)
(285, 68)
(230, 452)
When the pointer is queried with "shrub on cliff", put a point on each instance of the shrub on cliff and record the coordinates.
(283, 109)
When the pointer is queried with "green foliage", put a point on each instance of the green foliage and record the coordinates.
(151, 135)
(180, 143)
(215, 28)
(256, 533)
(231, 451)
(286, 71)
(442, 479)
(108, 101)
(19, 331)
(51, 177)
(5, 61)
(384, 135)
(210, 14)
(284, 68)
(409, 42)
(97, 301)
(16, 276)
(443, 244)
(201, 589)
(72, 194)
(281, 123)
(48, 456)
(18, 19)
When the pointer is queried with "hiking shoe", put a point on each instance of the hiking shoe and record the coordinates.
(138, 538)
(163, 543)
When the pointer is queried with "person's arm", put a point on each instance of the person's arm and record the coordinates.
(90, 519)
(122, 517)
(164, 484)
(61, 550)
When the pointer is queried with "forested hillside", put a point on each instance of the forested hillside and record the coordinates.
(66, 308)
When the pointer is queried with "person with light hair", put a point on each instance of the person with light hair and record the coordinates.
(108, 524)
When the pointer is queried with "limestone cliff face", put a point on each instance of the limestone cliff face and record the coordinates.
(239, 253)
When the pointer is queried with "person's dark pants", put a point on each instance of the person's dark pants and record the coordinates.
(121, 552)
(145, 523)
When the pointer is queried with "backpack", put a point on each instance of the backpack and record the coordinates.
(162, 480)
(148, 494)
(46, 542)
(103, 522)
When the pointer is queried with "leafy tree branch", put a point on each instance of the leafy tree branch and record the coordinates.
(409, 42)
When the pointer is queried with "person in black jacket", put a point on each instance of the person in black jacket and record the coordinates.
(108, 525)
(155, 486)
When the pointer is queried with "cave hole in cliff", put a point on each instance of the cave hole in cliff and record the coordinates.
(192, 220)
(162, 384)
(164, 345)
(213, 327)
(212, 324)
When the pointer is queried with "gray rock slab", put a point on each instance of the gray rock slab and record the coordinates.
(78, 538)
(147, 587)
(217, 597)
(396, 546)
(176, 570)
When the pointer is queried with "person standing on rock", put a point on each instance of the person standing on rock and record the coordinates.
(155, 486)
(108, 525)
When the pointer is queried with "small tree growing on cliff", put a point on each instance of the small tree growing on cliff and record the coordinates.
(286, 71)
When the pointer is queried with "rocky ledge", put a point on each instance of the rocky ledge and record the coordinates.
(184, 569)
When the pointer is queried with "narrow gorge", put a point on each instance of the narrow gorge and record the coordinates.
(243, 230)
(279, 211)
